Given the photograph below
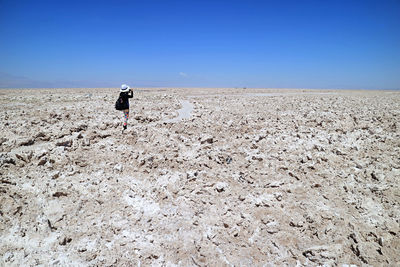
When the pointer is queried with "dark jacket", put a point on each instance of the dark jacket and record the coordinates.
(125, 98)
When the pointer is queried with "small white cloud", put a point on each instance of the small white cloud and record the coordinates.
(183, 74)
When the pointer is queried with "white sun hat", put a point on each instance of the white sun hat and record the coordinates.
(125, 88)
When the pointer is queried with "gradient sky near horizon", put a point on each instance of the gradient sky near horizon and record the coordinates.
(268, 44)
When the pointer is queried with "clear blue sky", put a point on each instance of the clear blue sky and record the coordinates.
(283, 44)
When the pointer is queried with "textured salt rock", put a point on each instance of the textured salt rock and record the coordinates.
(118, 167)
(221, 186)
(266, 200)
(285, 177)
(207, 139)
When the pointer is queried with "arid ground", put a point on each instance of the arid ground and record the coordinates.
(242, 177)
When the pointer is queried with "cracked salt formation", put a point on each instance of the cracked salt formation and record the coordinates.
(292, 178)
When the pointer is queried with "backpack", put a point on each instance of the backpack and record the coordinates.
(118, 104)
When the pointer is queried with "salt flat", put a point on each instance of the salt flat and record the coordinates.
(243, 178)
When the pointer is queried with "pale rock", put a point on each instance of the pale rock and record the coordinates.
(209, 139)
(221, 186)
(118, 167)
(42, 161)
(191, 175)
(27, 142)
(60, 150)
(55, 174)
(64, 143)
(3, 140)
(278, 196)
(274, 184)
(266, 200)
(41, 153)
(6, 158)
(272, 227)
(296, 223)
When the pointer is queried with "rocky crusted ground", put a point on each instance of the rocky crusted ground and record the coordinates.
(251, 178)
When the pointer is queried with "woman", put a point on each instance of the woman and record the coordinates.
(125, 94)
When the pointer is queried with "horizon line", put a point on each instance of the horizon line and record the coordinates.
(197, 87)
